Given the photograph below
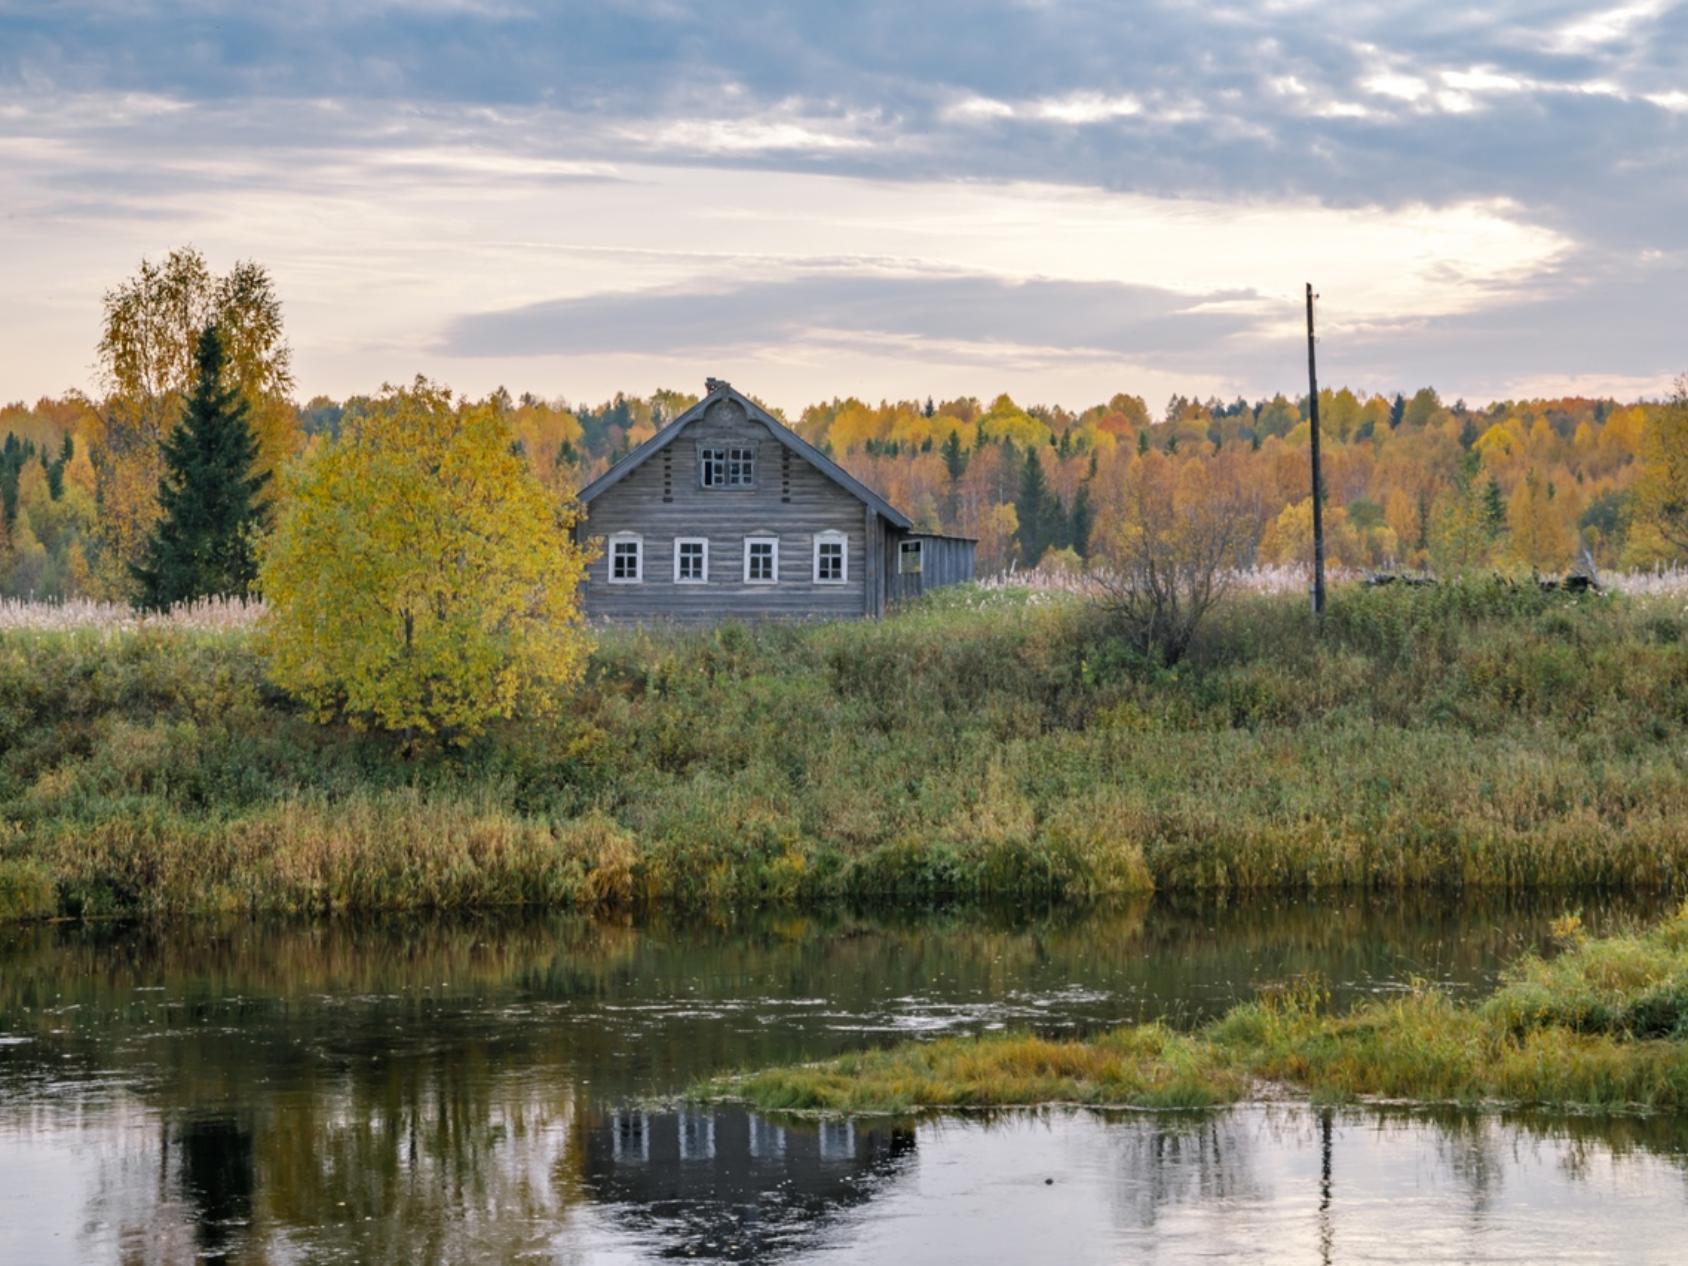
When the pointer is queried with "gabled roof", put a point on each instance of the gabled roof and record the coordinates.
(785, 435)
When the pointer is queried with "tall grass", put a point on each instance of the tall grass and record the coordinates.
(1603, 1025)
(984, 743)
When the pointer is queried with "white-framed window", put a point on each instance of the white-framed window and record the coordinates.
(627, 558)
(726, 466)
(691, 560)
(838, 1139)
(767, 1140)
(908, 558)
(697, 1136)
(832, 558)
(761, 560)
(630, 1136)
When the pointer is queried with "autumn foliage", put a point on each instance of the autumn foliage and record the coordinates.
(420, 578)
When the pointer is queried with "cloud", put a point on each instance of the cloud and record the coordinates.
(985, 314)
(1430, 162)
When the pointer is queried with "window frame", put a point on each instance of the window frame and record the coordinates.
(762, 538)
(832, 536)
(919, 552)
(679, 543)
(638, 543)
(738, 459)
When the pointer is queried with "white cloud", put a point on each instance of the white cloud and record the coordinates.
(1075, 108)
(746, 135)
(1606, 26)
(1394, 84)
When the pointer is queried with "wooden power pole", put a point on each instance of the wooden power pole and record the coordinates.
(1318, 478)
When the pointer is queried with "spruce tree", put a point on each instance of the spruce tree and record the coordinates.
(1032, 507)
(1494, 507)
(202, 545)
(955, 457)
(1081, 521)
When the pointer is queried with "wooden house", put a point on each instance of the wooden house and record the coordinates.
(728, 512)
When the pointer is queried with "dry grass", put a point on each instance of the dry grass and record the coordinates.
(1602, 1026)
(207, 615)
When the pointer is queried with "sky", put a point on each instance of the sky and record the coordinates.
(886, 199)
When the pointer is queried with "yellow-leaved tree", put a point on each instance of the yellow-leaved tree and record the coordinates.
(420, 578)
(1662, 490)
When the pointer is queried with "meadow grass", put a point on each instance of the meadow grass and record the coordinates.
(1602, 1026)
(983, 744)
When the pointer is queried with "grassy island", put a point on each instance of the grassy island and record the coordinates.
(1602, 1025)
(985, 744)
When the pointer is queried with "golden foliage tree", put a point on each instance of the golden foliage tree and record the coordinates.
(149, 335)
(1185, 527)
(1662, 489)
(1541, 538)
(420, 578)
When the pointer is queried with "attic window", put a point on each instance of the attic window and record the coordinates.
(908, 558)
(727, 467)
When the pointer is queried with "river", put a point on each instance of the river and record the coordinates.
(502, 1089)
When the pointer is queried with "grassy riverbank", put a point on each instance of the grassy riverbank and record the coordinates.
(981, 746)
(1603, 1025)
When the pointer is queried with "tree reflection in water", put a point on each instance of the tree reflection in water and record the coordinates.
(416, 1090)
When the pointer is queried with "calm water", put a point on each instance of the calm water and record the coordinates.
(481, 1090)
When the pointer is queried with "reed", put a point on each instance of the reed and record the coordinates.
(988, 742)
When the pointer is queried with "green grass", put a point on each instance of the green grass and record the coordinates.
(973, 747)
(1602, 1026)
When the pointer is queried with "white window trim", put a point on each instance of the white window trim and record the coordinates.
(842, 540)
(691, 540)
(760, 539)
(638, 543)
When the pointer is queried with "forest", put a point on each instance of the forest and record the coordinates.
(1411, 481)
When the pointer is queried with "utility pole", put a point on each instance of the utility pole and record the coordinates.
(1318, 479)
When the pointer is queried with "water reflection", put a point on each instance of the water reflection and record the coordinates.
(733, 1185)
(217, 1181)
(471, 1090)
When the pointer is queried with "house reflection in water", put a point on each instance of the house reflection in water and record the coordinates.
(732, 1184)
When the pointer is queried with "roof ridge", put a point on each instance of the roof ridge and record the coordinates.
(718, 389)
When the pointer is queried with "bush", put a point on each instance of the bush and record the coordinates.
(1470, 734)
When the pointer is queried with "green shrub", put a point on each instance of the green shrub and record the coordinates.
(1463, 734)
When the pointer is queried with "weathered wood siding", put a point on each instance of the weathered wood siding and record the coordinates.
(945, 560)
(663, 499)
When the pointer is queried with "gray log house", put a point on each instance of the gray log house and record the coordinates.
(728, 512)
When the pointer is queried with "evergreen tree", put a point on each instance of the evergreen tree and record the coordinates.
(1397, 411)
(1494, 507)
(929, 410)
(1037, 509)
(1142, 443)
(1080, 522)
(203, 542)
(55, 470)
(955, 457)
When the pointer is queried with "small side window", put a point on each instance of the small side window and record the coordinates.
(627, 559)
(908, 558)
